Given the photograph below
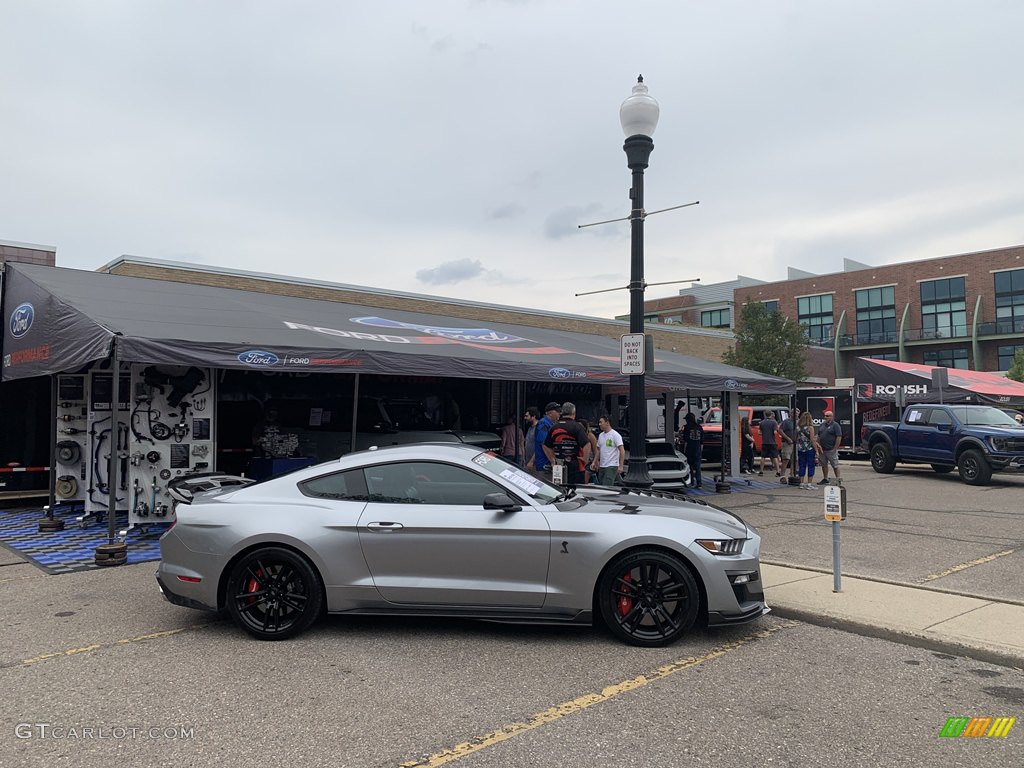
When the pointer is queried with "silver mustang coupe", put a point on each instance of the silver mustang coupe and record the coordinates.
(448, 530)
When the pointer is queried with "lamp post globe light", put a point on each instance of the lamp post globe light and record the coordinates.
(639, 117)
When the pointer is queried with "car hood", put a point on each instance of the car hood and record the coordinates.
(661, 505)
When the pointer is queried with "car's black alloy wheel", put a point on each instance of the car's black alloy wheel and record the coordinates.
(273, 594)
(882, 460)
(974, 469)
(648, 598)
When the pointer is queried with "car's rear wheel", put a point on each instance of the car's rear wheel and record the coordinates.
(648, 598)
(273, 593)
(882, 460)
(974, 469)
(942, 468)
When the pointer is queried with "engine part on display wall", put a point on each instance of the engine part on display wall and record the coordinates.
(66, 486)
(165, 474)
(68, 452)
(153, 457)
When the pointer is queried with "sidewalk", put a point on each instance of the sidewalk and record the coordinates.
(987, 630)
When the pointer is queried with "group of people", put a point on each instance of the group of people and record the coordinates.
(802, 447)
(558, 437)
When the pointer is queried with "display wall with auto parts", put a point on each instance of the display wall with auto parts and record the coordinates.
(165, 430)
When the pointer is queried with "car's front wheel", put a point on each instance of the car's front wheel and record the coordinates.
(882, 460)
(974, 469)
(648, 598)
(273, 593)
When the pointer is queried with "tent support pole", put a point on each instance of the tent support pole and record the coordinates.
(113, 553)
(53, 445)
(48, 523)
(355, 412)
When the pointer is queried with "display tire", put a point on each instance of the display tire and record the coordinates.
(49, 524)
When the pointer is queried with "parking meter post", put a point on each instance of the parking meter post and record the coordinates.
(835, 510)
(837, 575)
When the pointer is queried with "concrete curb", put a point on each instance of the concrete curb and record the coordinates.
(904, 636)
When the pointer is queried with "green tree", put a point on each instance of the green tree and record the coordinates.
(768, 342)
(1016, 371)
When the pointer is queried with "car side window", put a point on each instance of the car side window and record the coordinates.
(341, 486)
(939, 416)
(422, 482)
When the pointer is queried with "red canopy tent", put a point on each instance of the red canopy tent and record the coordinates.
(880, 380)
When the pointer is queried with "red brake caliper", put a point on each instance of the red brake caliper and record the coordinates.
(626, 603)
(253, 586)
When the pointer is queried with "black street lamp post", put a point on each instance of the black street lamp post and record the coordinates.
(639, 117)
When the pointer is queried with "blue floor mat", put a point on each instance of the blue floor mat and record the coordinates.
(74, 548)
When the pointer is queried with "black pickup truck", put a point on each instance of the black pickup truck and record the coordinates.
(975, 439)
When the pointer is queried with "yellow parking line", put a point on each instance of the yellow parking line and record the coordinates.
(99, 646)
(559, 711)
(965, 566)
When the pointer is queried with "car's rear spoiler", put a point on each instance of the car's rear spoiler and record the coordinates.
(184, 489)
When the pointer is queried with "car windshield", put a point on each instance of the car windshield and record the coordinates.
(988, 417)
(536, 488)
(714, 416)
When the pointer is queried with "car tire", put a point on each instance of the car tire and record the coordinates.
(942, 469)
(974, 468)
(279, 606)
(882, 460)
(648, 598)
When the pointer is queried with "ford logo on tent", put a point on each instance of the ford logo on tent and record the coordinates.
(258, 358)
(21, 319)
(732, 384)
(560, 373)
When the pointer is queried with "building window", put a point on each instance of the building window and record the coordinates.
(876, 315)
(950, 358)
(943, 308)
(1010, 301)
(771, 306)
(651, 318)
(715, 318)
(816, 313)
(884, 356)
(1006, 355)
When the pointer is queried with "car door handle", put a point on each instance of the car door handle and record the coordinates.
(384, 527)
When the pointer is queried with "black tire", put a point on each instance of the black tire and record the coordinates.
(648, 598)
(882, 460)
(974, 468)
(942, 468)
(273, 594)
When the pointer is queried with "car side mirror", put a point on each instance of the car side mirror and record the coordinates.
(500, 502)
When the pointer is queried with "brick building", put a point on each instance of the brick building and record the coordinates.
(26, 252)
(963, 311)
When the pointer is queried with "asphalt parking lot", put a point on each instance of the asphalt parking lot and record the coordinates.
(912, 526)
(102, 650)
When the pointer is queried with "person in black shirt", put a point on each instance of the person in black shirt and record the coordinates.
(691, 436)
(569, 443)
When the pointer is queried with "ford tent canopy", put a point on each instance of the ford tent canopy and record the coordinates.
(879, 380)
(60, 319)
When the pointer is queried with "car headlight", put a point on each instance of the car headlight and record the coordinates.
(998, 443)
(722, 546)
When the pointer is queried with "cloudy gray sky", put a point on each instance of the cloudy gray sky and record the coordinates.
(452, 147)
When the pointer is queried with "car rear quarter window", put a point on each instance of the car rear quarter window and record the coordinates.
(340, 486)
